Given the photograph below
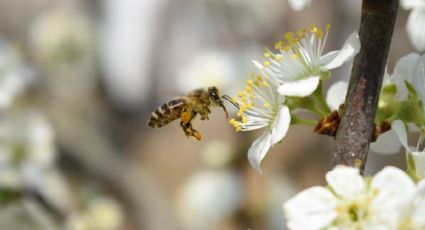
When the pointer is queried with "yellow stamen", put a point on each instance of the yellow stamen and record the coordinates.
(266, 105)
(266, 63)
(278, 45)
(278, 57)
(267, 55)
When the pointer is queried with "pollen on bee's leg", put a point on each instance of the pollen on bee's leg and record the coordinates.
(185, 116)
(197, 135)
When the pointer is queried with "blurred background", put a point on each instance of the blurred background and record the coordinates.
(79, 79)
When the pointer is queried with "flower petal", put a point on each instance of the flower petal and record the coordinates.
(403, 72)
(258, 150)
(281, 125)
(299, 4)
(418, 78)
(336, 94)
(414, 28)
(311, 209)
(400, 130)
(300, 88)
(335, 59)
(394, 189)
(419, 158)
(387, 143)
(410, 4)
(345, 181)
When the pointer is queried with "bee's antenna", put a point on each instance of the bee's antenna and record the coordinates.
(229, 99)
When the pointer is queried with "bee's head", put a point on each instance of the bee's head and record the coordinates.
(215, 98)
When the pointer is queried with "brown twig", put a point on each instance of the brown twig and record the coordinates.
(356, 127)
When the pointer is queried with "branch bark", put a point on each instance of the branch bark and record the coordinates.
(356, 127)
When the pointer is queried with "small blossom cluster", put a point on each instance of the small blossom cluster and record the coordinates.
(353, 202)
(296, 70)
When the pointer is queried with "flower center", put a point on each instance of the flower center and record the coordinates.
(256, 100)
(300, 51)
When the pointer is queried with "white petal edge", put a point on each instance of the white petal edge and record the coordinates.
(311, 209)
(299, 4)
(300, 88)
(335, 59)
(281, 125)
(336, 94)
(394, 187)
(258, 150)
(345, 181)
(419, 158)
(400, 130)
(415, 28)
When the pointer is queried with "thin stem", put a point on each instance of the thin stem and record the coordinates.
(356, 127)
(301, 121)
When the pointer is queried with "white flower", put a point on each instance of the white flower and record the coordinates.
(417, 154)
(208, 198)
(415, 22)
(260, 106)
(411, 69)
(351, 202)
(299, 4)
(100, 213)
(299, 64)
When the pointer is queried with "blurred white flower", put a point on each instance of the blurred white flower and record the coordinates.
(351, 202)
(299, 65)
(417, 154)
(26, 163)
(218, 153)
(129, 33)
(62, 37)
(299, 4)
(14, 75)
(210, 68)
(99, 214)
(208, 198)
(260, 106)
(415, 22)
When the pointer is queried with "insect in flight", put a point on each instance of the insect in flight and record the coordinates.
(186, 108)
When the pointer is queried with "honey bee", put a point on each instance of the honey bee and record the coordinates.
(186, 108)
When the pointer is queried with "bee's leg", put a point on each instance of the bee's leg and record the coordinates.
(190, 131)
(204, 113)
(187, 115)
(186, 118)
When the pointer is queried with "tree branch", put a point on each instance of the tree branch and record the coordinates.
(356, 127)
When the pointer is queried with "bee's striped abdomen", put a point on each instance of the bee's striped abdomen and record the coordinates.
(167, 113)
